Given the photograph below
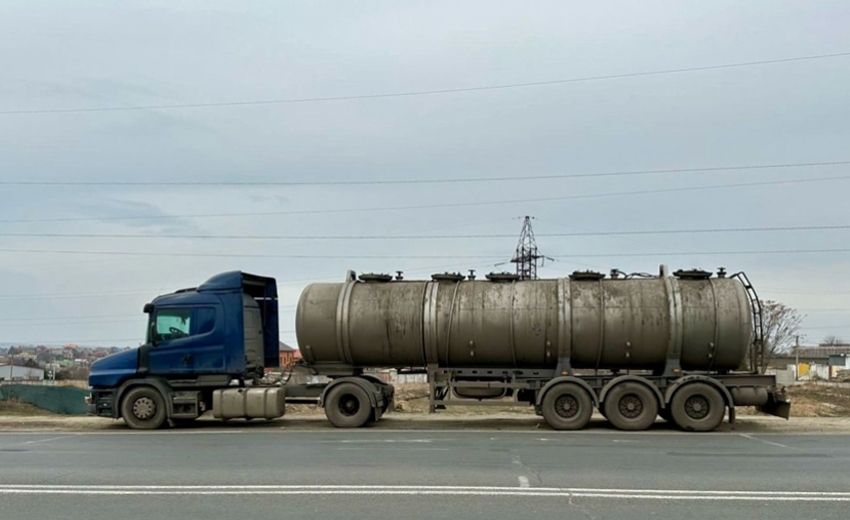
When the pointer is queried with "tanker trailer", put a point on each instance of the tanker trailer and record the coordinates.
(632, 346)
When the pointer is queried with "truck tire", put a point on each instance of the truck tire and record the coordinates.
(697, 407)
(143, 408)
(567, 406)
(348, 406)
(631, 406)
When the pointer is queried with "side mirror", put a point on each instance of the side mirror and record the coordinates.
(152, 333)
(148, 308)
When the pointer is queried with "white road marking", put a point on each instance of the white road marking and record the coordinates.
(751, 437)
(523, 482)
(394, 449)
(630, 494)
(51, 439)
(378, 431)
(389, 441)
(132, 432)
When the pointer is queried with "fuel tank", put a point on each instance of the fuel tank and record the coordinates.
(703, 321)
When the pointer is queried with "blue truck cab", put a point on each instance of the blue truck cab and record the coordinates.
(199, 340)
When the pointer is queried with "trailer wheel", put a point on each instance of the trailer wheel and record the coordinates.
(143, 408)
(348, 406)
(697, 407)
(631, 406)
(567, 406)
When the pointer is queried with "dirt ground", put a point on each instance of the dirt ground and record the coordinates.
(814, 408)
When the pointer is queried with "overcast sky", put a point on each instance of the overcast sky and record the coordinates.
(88, 54)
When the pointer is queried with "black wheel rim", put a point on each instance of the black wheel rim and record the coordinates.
(349, 405)
(630, 406)
(566, 406)
(697, 407)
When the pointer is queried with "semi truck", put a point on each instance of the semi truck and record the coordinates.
(685, 347)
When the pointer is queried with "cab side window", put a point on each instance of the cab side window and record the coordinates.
(171, 324)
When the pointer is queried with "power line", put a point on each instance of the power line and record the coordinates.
(78, 342)
(88, 342)
(280, 283)
(51, 320)
(797, 291)
(73, 320)
(453, 180)
(422, 92)
(440, 206)
(709, 253)
(417, 257)
(249, 255)
(428, 237)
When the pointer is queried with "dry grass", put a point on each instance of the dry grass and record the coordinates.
(819, 401)
(18, 409)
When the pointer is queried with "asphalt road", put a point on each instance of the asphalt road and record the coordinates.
(344, 474)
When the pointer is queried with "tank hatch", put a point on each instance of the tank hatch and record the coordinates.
(502, 277)
(692, 274)
(375, 277)
(586, 275)
(447, 277)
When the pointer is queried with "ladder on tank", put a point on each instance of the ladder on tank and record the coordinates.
(757, 353)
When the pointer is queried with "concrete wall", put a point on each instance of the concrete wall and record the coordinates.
(14, 372)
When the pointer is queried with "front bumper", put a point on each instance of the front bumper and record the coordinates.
(102, 403)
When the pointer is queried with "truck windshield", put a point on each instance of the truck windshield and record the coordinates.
(172, 324)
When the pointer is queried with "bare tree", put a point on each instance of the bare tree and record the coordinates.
(833, 340)
(781, 324)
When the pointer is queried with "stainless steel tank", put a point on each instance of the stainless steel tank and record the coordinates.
(614, 323)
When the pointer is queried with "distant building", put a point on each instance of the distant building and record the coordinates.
(287, 355)
(18, 373)
(812, 355)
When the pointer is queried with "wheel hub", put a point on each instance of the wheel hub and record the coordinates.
(349, 405)
(144, 408)
(696, 407)
(566, 406)
(630, 406)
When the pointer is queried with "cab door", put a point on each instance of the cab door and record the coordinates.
(186, 341)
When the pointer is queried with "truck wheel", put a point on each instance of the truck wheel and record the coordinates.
(697, 407)
(143, 408)
(567, 406)
(631, 406)
(348, 406)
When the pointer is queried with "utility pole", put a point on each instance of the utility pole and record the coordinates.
(526, 256)
(797, 359)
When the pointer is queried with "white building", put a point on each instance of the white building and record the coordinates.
(16, 373)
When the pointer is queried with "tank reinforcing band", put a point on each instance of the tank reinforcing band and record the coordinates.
(429, 324)
(564, 366)
(712, 347)
(451, 320)
(601, 348)
(343, 310)
(673, 364)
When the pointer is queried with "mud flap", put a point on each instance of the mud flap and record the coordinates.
(776, 408)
